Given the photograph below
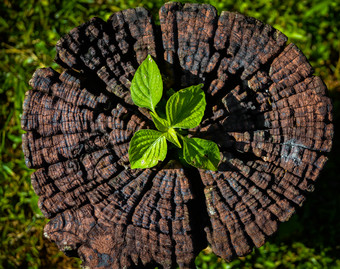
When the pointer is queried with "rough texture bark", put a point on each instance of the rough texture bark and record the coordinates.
(267, 112)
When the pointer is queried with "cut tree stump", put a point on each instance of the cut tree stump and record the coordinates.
(266, 111)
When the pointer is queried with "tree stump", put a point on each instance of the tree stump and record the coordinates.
(266, 111)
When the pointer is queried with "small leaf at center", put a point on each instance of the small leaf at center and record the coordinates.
(171, 136)
(161, 124)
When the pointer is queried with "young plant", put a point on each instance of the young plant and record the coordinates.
(183, 110)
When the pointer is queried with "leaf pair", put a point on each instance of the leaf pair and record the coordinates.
(184, 110)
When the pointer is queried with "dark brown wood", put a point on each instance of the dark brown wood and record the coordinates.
(267, 112)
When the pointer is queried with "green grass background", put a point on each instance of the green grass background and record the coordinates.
(29, 31)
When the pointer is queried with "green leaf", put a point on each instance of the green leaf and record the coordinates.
(185, 108)
(171, 136)
(163, 126)
(201, 153)
(147, 85)
(160, 123)
(147, 147)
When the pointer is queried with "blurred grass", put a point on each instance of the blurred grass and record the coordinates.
(29, 31)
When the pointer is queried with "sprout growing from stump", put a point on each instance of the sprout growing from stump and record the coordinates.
(184, 110)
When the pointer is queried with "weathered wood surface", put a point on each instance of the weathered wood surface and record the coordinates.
(266, 111)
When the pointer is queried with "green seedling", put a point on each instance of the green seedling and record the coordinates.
(184, 110)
